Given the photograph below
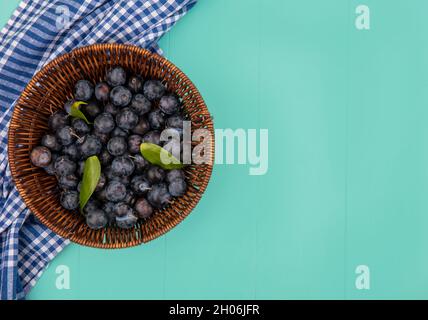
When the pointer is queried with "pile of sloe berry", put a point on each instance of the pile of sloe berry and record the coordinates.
(122, 112)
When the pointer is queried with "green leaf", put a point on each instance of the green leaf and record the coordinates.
(76, 113)
(157, 155)
(91, 175)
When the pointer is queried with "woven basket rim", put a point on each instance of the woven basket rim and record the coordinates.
(44, 72)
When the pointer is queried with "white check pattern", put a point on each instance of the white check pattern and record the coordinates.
(39, 31)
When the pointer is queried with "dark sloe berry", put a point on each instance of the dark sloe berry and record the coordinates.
(51, 142)
(135, 84)
(64, 166)
(140, 185)
(50, 169)
(58, 120)
(156, 119)
(105, 157)
(155, 174)
(174, 174)
(122, 209)
(83, 90)
(169, 104)
(118, 132)
(130, 198)
(117, 146)
(143, 208)
(108, 208)
(90, 146)
(126, 222)
(120, 96)
(101, 182)
(122, 166)
(126, 119)
(80, 126)
(175, 121)
(177, 187)
(152, 137)
(41, 156)
(91, 205)
(111, 108)
(140, 104)
(115, 191)
(116, 76)
(68, 182)
(66, 135)
(96, 219)
(101, 195)
(122, 179)
(102, 91)
(142, 126)
(92, 109)
(109, 173)
(69, 200)
(153, 89)
(104, 123)
(72, 151)
(134, 142)
(80, 168)
(139, 162)
(68, 105)
(104, 137)
(158, 196)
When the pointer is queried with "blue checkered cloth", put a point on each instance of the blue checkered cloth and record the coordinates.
(39, 31)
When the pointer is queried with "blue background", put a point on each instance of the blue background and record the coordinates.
(346, 111)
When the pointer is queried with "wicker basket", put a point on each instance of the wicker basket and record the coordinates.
(48, 91)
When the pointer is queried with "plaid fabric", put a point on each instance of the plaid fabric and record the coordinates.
(39, 31)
